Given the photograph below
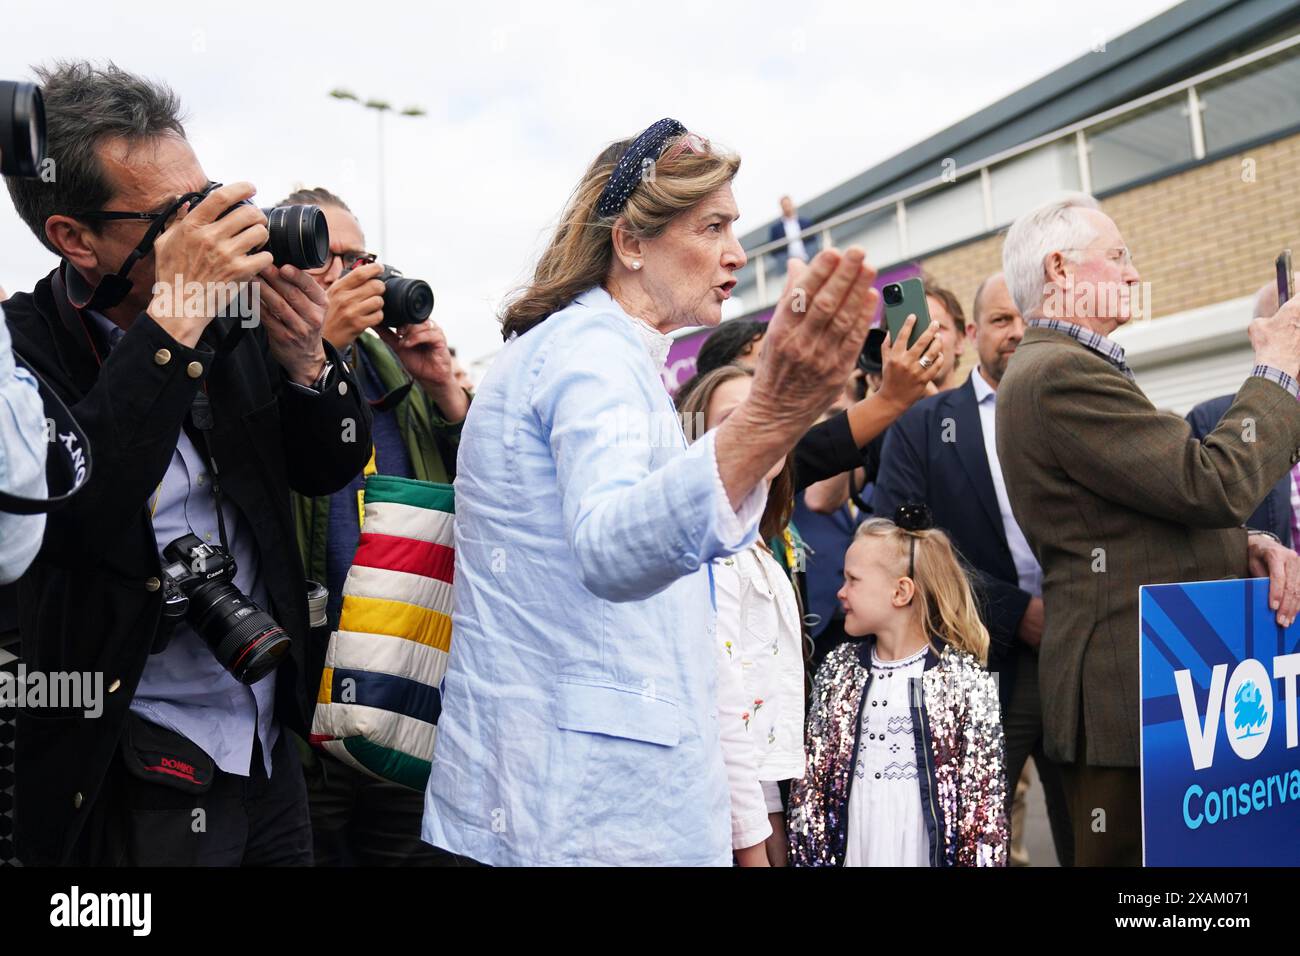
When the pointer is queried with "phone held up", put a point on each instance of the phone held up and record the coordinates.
(901, 300)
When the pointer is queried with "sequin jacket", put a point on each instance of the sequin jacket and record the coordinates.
(959, 748)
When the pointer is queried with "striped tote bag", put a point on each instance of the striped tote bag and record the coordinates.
(381, 690)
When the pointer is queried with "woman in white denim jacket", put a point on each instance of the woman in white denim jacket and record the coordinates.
(759, 643)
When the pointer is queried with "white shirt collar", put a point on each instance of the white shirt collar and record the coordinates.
(655, 342)
(983, 389)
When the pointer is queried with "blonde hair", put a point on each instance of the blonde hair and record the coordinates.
(943, 595)
(580, 253)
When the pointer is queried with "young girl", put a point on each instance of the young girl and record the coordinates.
(905, 763)
(760, 648)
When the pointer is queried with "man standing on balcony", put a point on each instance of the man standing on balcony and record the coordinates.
(1113, 494)
(792, 226)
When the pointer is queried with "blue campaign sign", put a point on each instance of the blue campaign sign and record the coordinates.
(1220, 760)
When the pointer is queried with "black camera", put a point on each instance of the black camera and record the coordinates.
(893, 293)
(406, 301)
(300, 236)
(22, 129)
(199, 586)
(871, 359)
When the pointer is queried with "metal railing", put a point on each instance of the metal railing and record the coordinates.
(984, 167)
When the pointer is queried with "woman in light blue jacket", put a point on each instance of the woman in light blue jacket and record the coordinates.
(579, 723)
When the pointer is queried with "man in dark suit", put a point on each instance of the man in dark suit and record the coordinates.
(792, 226)
(942, 452)
(1113, 494)
(1276, 513)
(200, 424)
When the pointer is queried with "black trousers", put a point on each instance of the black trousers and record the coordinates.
(358, 820)
(238, 821)
(1022, 731)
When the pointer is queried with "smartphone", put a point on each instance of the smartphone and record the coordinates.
(1285, 286)
(901, 300)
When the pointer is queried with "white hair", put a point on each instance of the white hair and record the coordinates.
(1055, 226)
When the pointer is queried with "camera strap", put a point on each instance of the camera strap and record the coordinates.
(198, 424)
(68, 462)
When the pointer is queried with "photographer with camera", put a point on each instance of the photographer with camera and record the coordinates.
(172, 573)
(380, 323)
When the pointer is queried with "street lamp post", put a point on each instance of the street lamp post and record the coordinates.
(380, 107)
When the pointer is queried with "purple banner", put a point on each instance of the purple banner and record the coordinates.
(681, 356)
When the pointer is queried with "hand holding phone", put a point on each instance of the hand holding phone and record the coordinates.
(901, 300)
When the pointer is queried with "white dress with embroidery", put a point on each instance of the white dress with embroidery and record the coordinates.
(886, 825)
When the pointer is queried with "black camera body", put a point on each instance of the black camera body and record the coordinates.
(406, 301)
(199, 586)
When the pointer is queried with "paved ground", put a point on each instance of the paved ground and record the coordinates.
(1038, 835)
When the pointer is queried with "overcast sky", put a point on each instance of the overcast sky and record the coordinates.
(521, 96)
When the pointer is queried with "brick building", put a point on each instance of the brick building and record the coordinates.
(1186, 128)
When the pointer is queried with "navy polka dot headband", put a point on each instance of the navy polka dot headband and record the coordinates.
(627, 174)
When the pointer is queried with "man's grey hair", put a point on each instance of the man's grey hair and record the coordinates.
(316, 196)
(1055, 226)
(84, 105)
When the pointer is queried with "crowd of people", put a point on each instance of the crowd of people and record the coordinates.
(674, 650)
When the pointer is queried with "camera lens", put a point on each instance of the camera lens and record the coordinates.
(245, 639)
(406, 301)
(22, 128)
(893, 294)
(300, 236)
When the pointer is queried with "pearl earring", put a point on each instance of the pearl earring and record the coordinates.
(636, 263)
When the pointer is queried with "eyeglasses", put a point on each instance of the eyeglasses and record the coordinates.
(349, 258)
(112, 215)
(1118, 254)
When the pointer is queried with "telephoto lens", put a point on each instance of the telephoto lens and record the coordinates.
(22, 129)
(245, 639)
(300, 236)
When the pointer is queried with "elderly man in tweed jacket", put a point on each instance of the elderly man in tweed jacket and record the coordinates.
(1113, 494)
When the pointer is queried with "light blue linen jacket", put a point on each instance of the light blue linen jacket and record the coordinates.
(579, 721)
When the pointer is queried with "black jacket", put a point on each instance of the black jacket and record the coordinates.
(827, 449)
(953, 478)
(91, 601)
(1274, 512)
